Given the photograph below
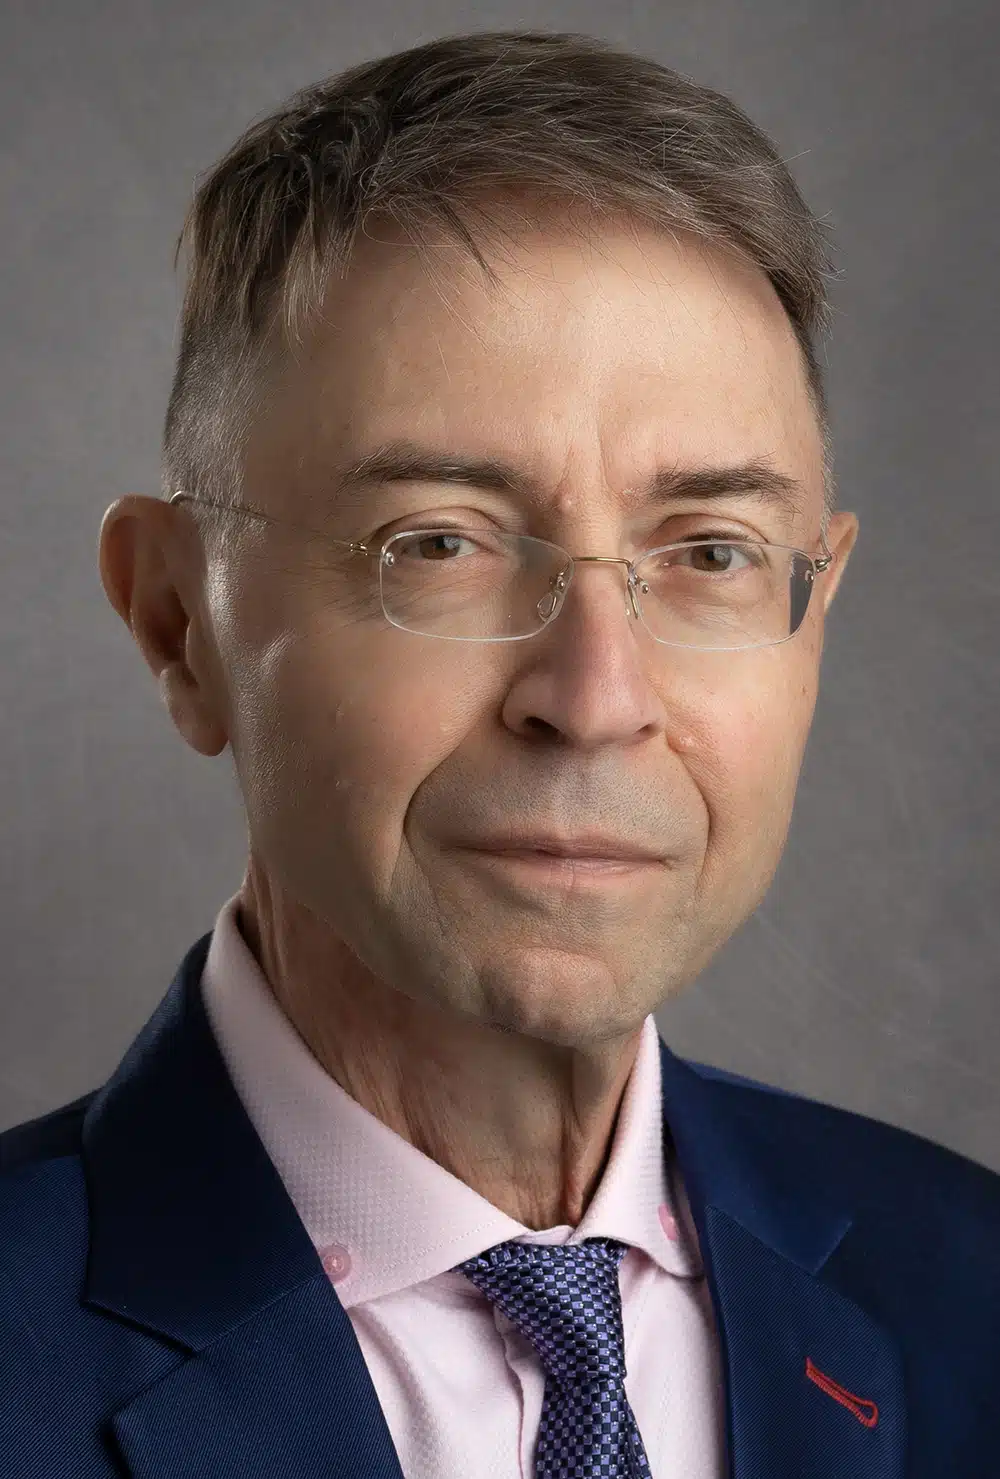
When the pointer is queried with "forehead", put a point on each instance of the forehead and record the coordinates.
(616, 349)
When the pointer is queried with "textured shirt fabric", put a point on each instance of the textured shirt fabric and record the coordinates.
(460, 1386)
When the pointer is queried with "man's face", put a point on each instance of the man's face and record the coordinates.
(371, 758)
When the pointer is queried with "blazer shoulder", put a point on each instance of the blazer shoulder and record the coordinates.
(47, 1137)
(43, 1210)
(877, 1162)
(723, 1075)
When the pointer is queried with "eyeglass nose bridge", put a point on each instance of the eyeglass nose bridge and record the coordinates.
(553, 600)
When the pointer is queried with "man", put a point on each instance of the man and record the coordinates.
(498, 547)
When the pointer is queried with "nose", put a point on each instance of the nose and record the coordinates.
(585, 680)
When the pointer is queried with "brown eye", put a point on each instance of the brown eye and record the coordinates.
(427, 547)
(710, 554)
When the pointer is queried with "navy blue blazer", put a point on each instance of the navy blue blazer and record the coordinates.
(164, 1315)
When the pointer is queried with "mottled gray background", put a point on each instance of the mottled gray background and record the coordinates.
(869, 977)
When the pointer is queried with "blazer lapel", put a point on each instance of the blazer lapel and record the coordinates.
(194, 1238)
(286, 1393)
(814, 1385)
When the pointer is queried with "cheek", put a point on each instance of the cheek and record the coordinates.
(369, 727)
(755, 731)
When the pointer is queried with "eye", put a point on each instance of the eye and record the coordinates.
(438, 546)
(718, 540)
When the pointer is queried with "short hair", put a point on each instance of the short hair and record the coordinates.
(427, 137)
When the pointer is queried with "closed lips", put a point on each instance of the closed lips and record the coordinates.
(579, 847)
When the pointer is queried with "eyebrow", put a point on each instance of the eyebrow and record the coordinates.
(402, 460)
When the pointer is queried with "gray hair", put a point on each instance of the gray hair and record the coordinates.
(426, 136)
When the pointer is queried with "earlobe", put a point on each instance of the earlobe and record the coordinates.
(186, 706)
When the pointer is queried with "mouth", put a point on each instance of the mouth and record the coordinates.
(538, 868)
(587, 846)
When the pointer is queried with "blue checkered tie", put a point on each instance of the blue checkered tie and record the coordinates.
(565, 1300)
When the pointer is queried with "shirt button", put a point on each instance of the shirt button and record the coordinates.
(668, 1222)
(335, 1260)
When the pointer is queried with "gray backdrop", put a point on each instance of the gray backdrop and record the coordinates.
(869, 976)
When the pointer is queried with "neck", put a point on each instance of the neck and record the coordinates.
(527, 1124)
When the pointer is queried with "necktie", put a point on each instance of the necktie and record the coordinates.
(565, 1300)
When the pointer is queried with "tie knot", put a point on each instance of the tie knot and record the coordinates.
(565, 1300)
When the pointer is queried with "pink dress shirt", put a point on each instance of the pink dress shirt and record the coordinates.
(460, 1387)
